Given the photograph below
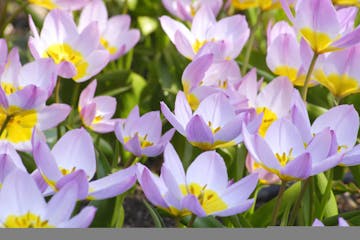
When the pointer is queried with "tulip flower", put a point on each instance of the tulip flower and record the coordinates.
(142, 135)
(186, 10)
(96, 112)
(23, 205)
(77, 55)
(213, 125)
(339, 72)
(283, 153)
(205, 76)
(73, 157)
(234, 31)
(342, 223)
(23, 93)
(322, 26)
(115, 35)
(285, 55)
(341, 120)
(204, 189)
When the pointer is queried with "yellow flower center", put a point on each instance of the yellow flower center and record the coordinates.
(8, 88)
(339, 85)
(28, 220)
(209, 199)
(17, 124)
(143, 140)
(347, 2)
(198, 44)
(107, 46)
(284, 158)
(319, 42)
(48, 4)
(63, 52)
(268, 118)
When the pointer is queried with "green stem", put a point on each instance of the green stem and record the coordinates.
(192, 220)
(304, 90)
(132, 161)
(7, 119)
(251, 42)
(278, 202)
(57, 91)
(311, 191)
(296, 208)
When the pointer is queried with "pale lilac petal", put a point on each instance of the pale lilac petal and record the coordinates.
(21, 195)
(317, 223)
(44, 159)
(41, 73)
(88, 113)
(29, 97)
(240, 191)
(343, 120)
(216, 109)
(283, 137)
(191, 203)
(326, 164)
(62, 204)
(183, 45)
(173, 162)
(202, 21)
(8, 149)
(133, 146)
(51, 116)
(76, 150)
(260, 150)
(209, 170)
(79, 177)
(197, 131)
(239, 208)
(194, 73)
(150, 186)
(319, 147)
(342, 222)
(66, 69)
(352, 157)
(88, 40)
(299, 168)
(87, 94)
(171, 26)
(94, 11)
(82, 220)
(113, 184)
(276, 96)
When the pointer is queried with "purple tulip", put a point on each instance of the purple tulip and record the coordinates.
(204, 189)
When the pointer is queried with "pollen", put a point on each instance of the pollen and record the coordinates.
(28, 220)
(64, 52)
(209, 199)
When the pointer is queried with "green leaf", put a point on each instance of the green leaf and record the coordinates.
(205, 222)
(158, 222)
(353, 218)
(104, 210)
(262, 216)
(118, 217)
(328, 205)
(355, 170)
